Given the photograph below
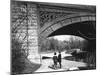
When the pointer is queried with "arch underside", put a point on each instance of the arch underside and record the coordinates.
(82, 29)
(83, 26)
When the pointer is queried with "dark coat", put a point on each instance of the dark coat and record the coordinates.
(55, 59)
(59, 58)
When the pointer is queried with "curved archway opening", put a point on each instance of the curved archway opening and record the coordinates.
(83, 41)
(85, 29)
(54, 43)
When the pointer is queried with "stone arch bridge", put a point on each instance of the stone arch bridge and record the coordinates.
(52, 26)
(32, 22)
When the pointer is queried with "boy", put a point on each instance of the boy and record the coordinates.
(55, 60)
(59, 59)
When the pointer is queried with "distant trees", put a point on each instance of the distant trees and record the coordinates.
(76, 42)
(54, 44)
(50, 44)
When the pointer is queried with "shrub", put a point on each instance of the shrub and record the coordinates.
(18, 57)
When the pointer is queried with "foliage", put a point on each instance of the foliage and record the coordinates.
(18, 57)
(56, 45)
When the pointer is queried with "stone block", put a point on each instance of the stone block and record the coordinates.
(75, 20)
(92, 18)
(85, 18)
(43, 34)
(66, 22)
(49, 31)
(56, 26)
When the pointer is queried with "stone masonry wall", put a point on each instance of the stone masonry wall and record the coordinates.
(24, 25)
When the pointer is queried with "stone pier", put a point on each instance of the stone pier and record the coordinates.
(25, 28)
(33, 33)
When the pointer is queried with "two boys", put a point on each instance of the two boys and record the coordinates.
(57, 60)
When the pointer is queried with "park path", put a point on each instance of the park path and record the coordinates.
(66, 64)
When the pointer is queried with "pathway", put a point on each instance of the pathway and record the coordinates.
(66, 64)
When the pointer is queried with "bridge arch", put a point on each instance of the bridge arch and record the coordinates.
(67, 20)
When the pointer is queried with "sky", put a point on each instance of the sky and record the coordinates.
(65, 37)
(62, 37)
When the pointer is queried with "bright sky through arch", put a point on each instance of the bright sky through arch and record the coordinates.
(66, 37)
(62, 37)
